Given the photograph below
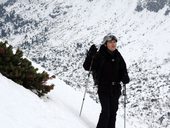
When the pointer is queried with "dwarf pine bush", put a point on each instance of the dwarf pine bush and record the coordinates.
(21, 71)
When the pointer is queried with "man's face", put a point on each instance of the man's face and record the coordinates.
(111, 45)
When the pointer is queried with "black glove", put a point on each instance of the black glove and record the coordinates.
(125, 79)
(92, 51)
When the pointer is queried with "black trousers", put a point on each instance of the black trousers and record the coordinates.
(109, 101)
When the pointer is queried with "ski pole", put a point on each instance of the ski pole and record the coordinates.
(86, 83)
(84, 93)
(125, 98)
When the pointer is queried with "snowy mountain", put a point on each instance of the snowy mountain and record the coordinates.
(56, 34)
(21, 108)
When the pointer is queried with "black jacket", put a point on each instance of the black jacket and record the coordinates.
(107, 67)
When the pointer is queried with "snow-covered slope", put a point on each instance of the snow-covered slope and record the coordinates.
(21, 108)
(56, 34)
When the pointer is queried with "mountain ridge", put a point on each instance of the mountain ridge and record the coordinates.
(56, 35)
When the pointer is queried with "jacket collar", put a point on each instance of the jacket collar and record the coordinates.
(106, 53)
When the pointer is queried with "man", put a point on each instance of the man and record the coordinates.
(109, 69)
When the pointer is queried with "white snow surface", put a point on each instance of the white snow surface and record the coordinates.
(20, 108)
(143, 40)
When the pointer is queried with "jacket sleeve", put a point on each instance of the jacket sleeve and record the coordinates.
(87, 62)
(124, 74)
(90, 62)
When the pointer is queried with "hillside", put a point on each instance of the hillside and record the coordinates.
(22, 108)
(57, 33)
